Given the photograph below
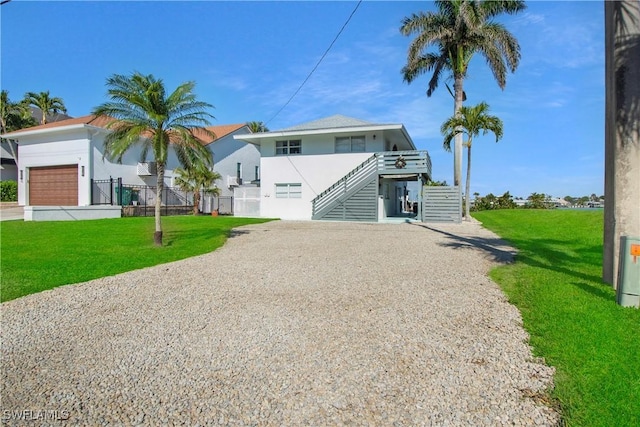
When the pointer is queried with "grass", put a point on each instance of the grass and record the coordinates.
(36, 256)
(571, 315)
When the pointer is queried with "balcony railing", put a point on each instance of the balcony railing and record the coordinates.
(403, 162)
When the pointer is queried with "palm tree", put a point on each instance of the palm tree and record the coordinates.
(197, 178)
(13, 116)
(45, 103)
(458, 30)
(145, 116)
(257, 127)
(470, 121)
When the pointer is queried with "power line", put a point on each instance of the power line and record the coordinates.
(316, 66)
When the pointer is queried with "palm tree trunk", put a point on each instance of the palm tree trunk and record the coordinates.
(468, 184)
(457, 148)
(157, 235)
(622, 130)
(196, 201)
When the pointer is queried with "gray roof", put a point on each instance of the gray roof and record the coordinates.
(332, 122)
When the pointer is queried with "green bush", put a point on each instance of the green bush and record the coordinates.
(8, 191)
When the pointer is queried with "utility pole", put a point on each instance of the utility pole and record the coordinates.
(622, 130)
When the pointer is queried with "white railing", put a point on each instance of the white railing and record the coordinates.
(400, 162)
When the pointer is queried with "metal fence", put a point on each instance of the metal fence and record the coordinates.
(140, 200)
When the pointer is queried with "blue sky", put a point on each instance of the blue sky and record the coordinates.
(248, 58)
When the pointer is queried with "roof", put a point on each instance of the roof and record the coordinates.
(329, 125)
(332, 122)
(102, 122)
(90, 120)
(219, 131)
(36, 113)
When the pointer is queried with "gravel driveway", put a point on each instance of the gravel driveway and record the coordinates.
(290, 323)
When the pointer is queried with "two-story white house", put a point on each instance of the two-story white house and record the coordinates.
(58, 162)
(337, 168)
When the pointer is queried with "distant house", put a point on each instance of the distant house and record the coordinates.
(58, 162)
(8, 167)
(337, 168)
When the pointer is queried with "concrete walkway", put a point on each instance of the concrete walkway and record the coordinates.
(11, 211)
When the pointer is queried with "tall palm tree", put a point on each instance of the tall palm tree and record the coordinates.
(458, 30)
(257, 127)
(470, 121)
(45, 103)
(146, 116)
(14, 115)
(195, 179)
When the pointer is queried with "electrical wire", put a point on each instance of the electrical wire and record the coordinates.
(318, 63)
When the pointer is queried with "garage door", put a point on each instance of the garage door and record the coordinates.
(53, 186)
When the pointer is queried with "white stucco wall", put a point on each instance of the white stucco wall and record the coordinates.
(316, 173)
(324, 144)
(317, 168)
(63, 148)
(227, 153)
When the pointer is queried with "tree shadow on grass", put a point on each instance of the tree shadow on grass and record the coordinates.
(601, 291)
(539, 253)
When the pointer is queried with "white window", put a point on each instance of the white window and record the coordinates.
(350, 144)
(288, 191)
(284, 148)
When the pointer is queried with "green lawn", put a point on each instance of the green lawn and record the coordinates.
(572, 316)
(35, 256)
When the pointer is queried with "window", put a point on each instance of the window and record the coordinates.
(288, 191)
(284, 148)
(350, 144)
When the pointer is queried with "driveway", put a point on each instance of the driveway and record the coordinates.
(289, 323)
(11, 211)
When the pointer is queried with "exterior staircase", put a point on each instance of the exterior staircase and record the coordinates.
(355, 196)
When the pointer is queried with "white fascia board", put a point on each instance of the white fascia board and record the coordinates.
(256, 137)
(22, 133)
(406, 135)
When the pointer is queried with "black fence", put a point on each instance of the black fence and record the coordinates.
(140, 200)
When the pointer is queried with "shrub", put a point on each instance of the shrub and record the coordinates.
(9, 191)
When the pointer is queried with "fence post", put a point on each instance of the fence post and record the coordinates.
(91, 190)
(111, 191)
(119, 191)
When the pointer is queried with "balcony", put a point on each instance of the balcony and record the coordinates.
(398, 163)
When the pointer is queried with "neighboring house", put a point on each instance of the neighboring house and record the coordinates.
(338, 168)
(8, 166)
(58, 161)
(236, 161)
